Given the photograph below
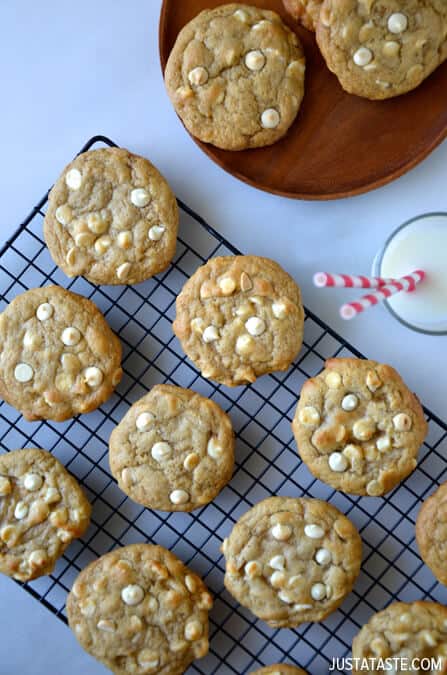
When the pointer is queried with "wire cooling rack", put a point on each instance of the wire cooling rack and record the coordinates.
(267, 462)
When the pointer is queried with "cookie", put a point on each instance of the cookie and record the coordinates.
(139, 610)
(290, 561)
(358, 427)
(382, 48)
(307, 12)
(431, 533)
(239, 317)
(236, 77)
(416, 630)
(58, 356)
(279, 669)
(42, 509)
(173, 450)
(111, 218)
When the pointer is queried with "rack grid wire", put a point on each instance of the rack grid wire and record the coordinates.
(266, 461)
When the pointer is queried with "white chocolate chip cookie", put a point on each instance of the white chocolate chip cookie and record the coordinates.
(431, 533)
(292, 560)
(236, 77)
(358, 427)
(58, 355)
(239, 317)
(112, 218)
(382, 48)
(173, 450)
(139, 610)
(407, 631)
(42, 509)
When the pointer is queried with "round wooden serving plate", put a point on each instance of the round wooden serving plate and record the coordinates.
(340, 145)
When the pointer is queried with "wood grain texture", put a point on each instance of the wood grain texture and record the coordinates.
(340, 145)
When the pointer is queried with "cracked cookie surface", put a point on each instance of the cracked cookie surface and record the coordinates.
(111, 218)
(42, 509)
(173, 450)
(239, 317)
(358, 427)
(292, 560)
(279, 669)
(382, 48)
(307, 12)
(59, 357)
(140, 611)
(236, 77)
(431, 533)
(403, 630)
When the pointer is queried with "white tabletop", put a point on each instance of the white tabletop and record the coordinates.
(70, 70)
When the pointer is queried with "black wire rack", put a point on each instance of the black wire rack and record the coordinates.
(267, 461)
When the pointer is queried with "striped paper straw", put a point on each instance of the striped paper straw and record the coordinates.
(407, 283)
(327, 280)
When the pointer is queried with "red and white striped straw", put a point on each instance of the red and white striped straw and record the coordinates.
(327, 280)
(407, 283)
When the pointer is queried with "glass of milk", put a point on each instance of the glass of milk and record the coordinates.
(419, 244)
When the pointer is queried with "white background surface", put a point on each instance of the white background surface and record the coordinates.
(70, 70)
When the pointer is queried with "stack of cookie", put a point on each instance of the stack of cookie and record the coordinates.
(113, 218)
(236, 73)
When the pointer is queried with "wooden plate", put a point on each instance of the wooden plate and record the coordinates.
(340, 145)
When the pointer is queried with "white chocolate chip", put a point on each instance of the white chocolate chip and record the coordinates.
(241, 15)
(161, 451)
(350, 402)
(278, 579)
(193, 630)
(323, 556)
(210, 334)
(64, 214)
(255, 326)
(279, 310)
(246, 282)
(278, 562)
(374, 488)
(106, 626)
(70, 336)
(363, 56)
(179, 497)
(373, 381)
(124, 239)
(364, 429)
(261, 24)
(198, 76)
(84, 239)
(333, 380)
(313, 531)
(123, 271)
(103, 244)
(140, 197)
(23, 372)
(281, 532)
(397, 23)
(73, 179)
(391, 48)
(270, 118)
(318, 591)
(197, 325)
(98, 223)
(309, 416)
(21, 510)
(255, 60)
(191, 583)
(93, 376)
(383, 444)
(132, 595)
(52, 495)
(44, 311)
(32, 482)
(402, 422)
(227, 285)
(148, 659)
(5, 486)
(253, 569)
(244, 345)
(38, 558)
(70, 258)
(156, 232)
(214, 449)
(338, 462)
(144, 421)
(191, 461)
(285, 597)
(302, 607)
